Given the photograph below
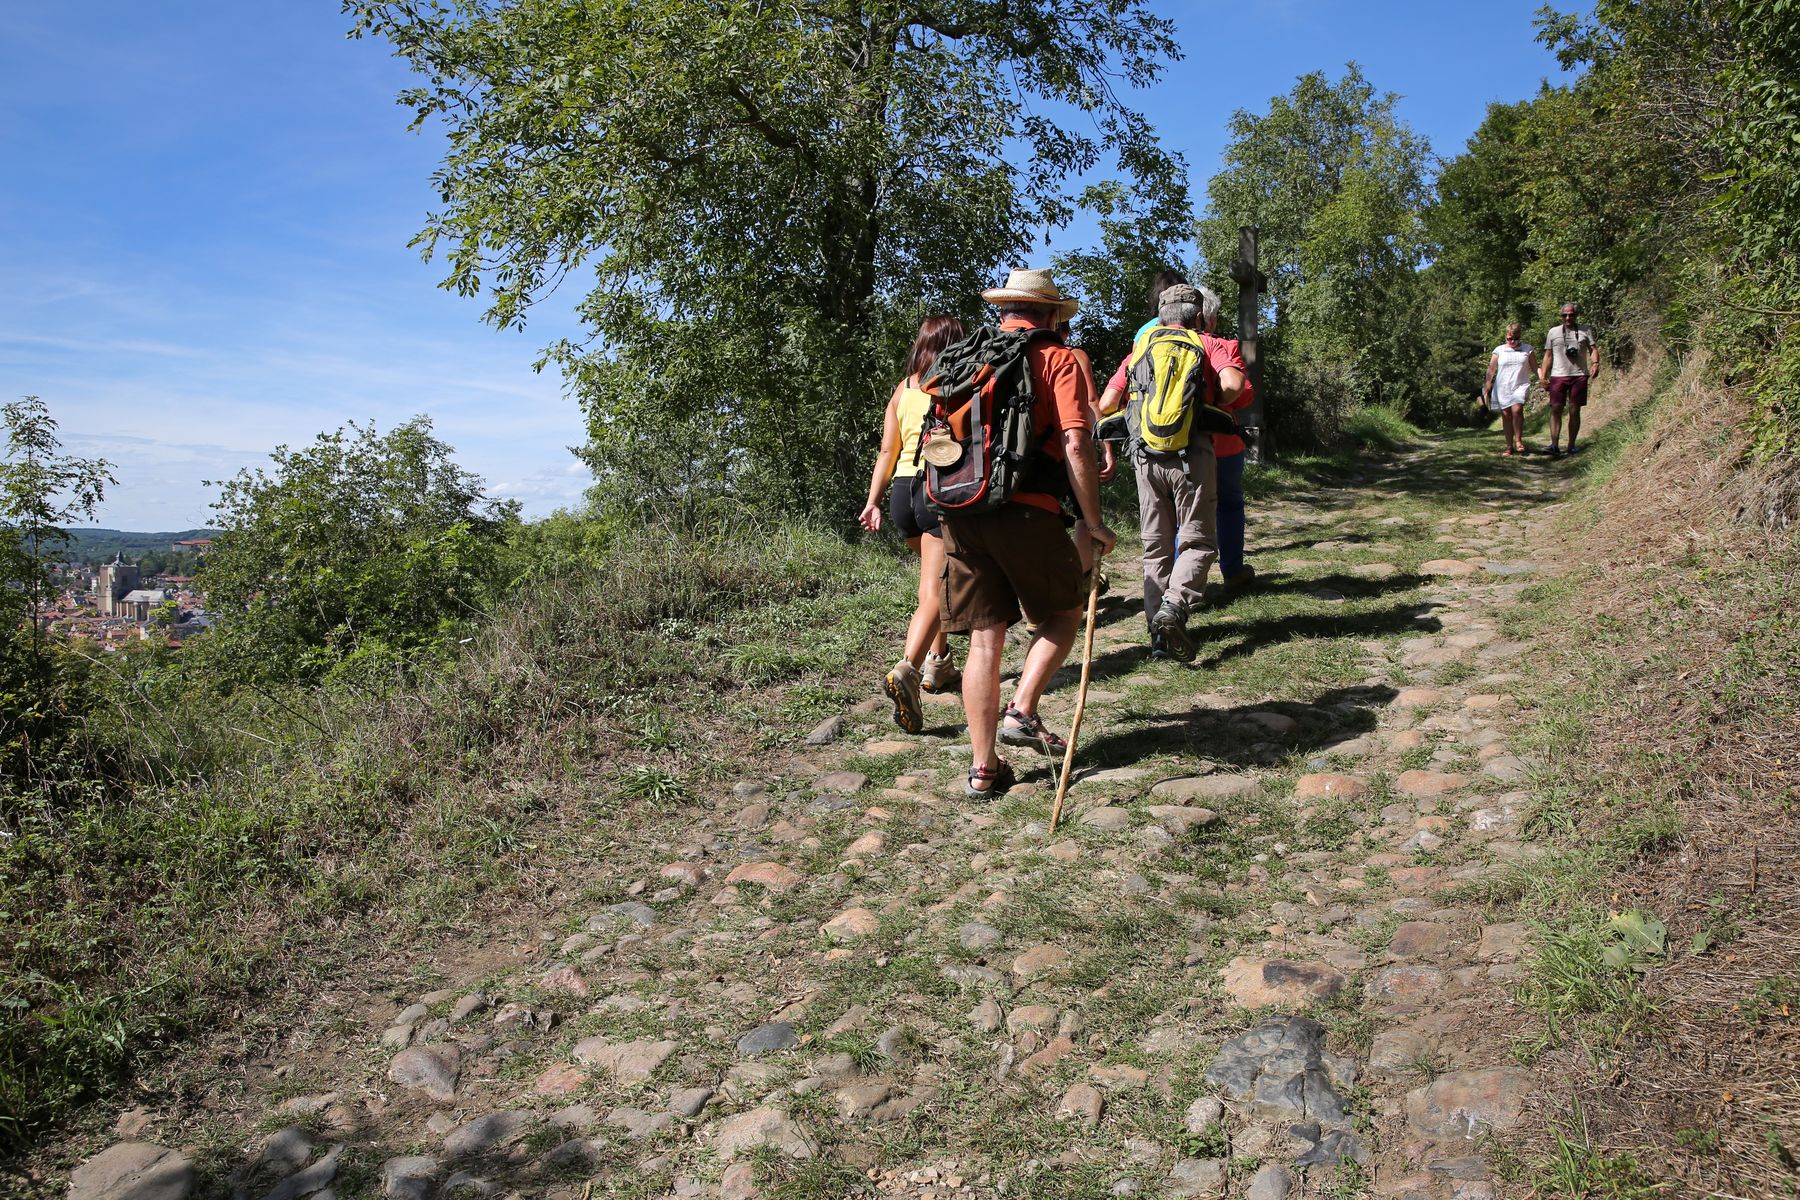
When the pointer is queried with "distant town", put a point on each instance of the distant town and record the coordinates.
(148, 595)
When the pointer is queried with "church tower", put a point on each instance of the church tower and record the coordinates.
(116, 579)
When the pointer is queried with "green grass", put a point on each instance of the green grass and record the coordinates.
(259, 822)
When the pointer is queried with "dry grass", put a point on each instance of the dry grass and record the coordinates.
(1690, 596)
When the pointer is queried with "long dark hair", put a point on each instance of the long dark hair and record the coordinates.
(1163, 280)
(934, 334)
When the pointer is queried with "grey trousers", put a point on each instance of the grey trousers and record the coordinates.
(1177, 515)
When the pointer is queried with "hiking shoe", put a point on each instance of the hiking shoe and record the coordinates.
(998, 778)
(902, 684)
(1171, 622)
(1159, 649)
(1244, 576)
(1555, 451)
(1027, 729)
(939, 673)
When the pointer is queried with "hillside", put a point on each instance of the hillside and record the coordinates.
(100, 545)
(1332, 912)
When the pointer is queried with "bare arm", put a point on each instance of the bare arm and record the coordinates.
(1487, 384)
(1231, 386)
(1084, 478)
(870, 517)
(1593, 360)
(1111, 401)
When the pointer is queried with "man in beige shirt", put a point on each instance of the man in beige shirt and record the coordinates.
(1571, 360)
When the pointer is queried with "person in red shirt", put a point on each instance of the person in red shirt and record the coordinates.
(1018, 558)
(1228, 449)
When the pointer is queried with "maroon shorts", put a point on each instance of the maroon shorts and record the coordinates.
(1568, 389)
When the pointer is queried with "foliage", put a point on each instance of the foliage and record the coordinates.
(1141, 226)
(766, 199)
(42, 490)
(1335, 182)
(1688, 192)
(1759, 142)
(355, 552)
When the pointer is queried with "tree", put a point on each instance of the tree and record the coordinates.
(1143, 226)
(765, 197)
(42, 490)
(361, 548)
(1335, 182)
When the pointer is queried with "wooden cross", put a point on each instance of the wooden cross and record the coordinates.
(1252, 285)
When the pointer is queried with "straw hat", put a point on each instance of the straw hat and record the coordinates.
(1032, 287)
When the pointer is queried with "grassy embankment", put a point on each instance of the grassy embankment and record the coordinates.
(1664, 986)
(135, 920)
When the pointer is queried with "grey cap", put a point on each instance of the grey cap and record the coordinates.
(1181, 293)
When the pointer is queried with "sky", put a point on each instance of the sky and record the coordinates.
(205, 211)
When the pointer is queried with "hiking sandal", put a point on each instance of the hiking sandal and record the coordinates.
(998, 778)
(1027, 729)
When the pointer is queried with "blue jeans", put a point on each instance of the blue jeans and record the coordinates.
(1231, 514)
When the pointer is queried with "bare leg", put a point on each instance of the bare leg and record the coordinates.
(981, 692)
(1574, 424)
(1555, 424)
(1056, 637)
(923, 632)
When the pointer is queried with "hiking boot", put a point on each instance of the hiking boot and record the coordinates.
(998, 778)
(902, 684)
(1159, 649)
(1171, 622)
(1244, 576)
(1027, 729)
(939, 673)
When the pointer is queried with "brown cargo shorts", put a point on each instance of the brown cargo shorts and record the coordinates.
(999, 563)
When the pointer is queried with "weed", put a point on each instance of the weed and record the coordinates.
(1350, 1181)
(1776, 996)
(1416, 759)
(653, 786)
(1720, 927)
(1210, 1142)
(1579, 971)
(1578, 1169)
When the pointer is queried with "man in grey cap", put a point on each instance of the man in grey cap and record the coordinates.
(1177, 478)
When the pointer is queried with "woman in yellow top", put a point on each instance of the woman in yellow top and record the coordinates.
(926, 661)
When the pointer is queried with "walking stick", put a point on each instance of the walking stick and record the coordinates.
(1087, 663)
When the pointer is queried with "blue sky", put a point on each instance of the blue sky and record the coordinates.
(206, 210)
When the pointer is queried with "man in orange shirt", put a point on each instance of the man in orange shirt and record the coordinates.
(1019, 558)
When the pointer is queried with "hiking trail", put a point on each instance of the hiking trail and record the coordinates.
(1255, 960)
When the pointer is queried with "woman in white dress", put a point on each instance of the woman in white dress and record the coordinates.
(1509, 373)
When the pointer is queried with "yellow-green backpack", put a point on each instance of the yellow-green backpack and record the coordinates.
(1169, 392)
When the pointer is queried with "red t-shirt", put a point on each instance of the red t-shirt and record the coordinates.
(1063, 387)
(1220, 353)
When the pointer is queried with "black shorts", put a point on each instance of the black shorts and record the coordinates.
(907, 509)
